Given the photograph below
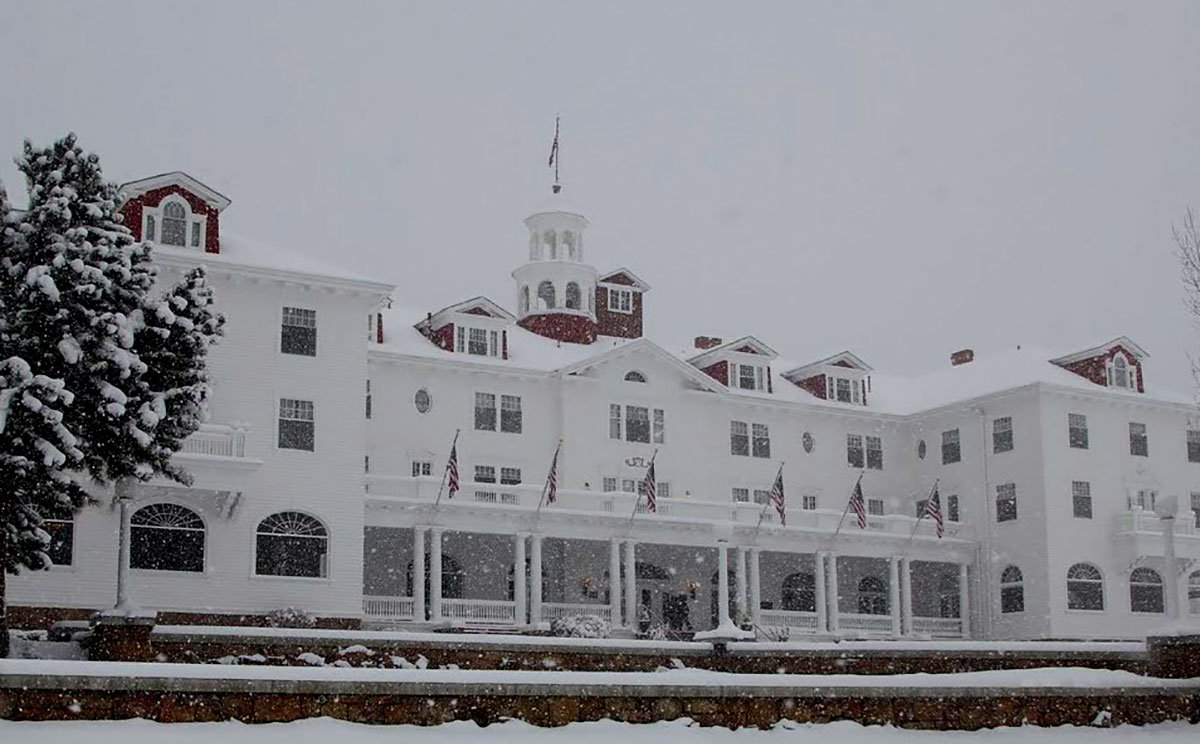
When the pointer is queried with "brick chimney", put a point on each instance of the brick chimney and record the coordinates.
(707, 342)
(962, 356)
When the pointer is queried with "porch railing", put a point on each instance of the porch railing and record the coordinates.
(875, 624)
(396, 608)
(480, 611)
(938, 627)
(552, 611)
(216, 440)
(1140, 520)
(792, 619)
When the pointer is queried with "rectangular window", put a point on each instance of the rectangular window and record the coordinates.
(1006, 502)
(951, 452)
(843, 390)
(485, 473)
(1193, 445)
(750, 377)
(1142, 498)
(629, 485)
(368, 399)
(637, 424)
(296, 424)
(299, 332)
(493, 343)
(366, 463)
(952, 508)
(195, 234)
(614, 421)
(422, 468)
(1081, 499)
(620, 300)
(609, 485)
(149, 227)
(461, 343)
(1002, 435)
(485, 412)
(761, 496)
(510, 476)
(1196, 507)
(62, 540)
(875, 507)
(510, 414)
(664, 490)
(477, 342)
(660, 426)
(874, 453)
(854, 450)
(1077, 430)
(761, 441)
(1139, 444)
(808, 503)
(739, 438)
(741, 495)
(921, 504)
(1012, 598)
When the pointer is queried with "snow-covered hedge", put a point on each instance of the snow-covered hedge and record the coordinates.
(580, 626)
(290, 617)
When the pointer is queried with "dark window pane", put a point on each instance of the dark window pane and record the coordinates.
(1012, 599)
(296, 434)
(62, 541)
(289, 555)
(301, 341)
(166, 549)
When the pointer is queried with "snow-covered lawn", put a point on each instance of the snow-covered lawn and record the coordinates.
(321, 730)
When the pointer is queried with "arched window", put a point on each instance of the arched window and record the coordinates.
(1145, 590)
(1121, 373)
(550, 240)
(166, 537)
(174, 223)
(1012, 590)
(546, 295)
(799, 593)
(569, 245)
(291, 544)
(872, 596)
(572, 295)
(634, 376)
(948, 596)
(1085, 587)
(1194, 593)
(524, 299)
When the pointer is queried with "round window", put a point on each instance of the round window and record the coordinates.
(423, 401)
(921, 449)
(808, 442)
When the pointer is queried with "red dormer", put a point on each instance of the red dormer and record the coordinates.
(1116, 364)
(478, 327)
(174, 209)
(744, 364)
(619, 304)
(842, 377)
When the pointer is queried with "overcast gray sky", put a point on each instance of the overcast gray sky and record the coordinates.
(899, 179)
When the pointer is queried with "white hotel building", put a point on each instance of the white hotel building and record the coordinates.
(317, 478)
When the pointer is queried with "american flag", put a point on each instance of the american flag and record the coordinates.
(933, 510)
(858, 504)
(452, 472)
(552, 479)
(777, 496)
(651, 488)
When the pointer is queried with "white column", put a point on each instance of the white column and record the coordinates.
(894, 595)
(833, 593)
(739, 555)
(435, 575)
(822, 602)
(614, 581)
(535, 580)
(631, 618)
(1170, 566)
(125, 606)
(519, 585)
(906, 612)
(418, 574)
(723, 619)
(964, 607)
(755, 587)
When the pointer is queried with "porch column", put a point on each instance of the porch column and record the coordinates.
(894, 595)
(755, 587)
(964, 609)
(822, 602)
(906, 616)
(535, 580)
(519, 578)
(833, 593)
(435, 575)
(739, 554)
(418, 574)
(631, 619)
(723, 619)
(614, 581)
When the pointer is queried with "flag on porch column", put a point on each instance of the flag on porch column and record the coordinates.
(552, 479)
(452, 472)
(858, 504)
(651, 488)
(777, 496)
(933, 510)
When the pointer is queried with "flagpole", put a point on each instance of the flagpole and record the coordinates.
(763, 512)
(546, 485)
(921, 516)
(847, 509)
(638, 497)
(445, 471)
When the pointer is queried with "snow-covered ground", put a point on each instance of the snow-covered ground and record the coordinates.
(601, 732)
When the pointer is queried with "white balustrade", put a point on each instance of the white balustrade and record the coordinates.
(480, 611)
(937, 627)
(216, 440)
(794, 620)
(1141, 520)
(872, 624)
(397, 608)
(552, 611)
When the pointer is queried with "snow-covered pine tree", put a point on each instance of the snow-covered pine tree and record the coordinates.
(173, 340)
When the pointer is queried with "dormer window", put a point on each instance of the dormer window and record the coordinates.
(750, 377)
(1121, 373)
(477, 341)
(843, 389)
(173, 223)
(620, 300)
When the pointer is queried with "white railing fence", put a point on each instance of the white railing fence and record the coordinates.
(397, 608)
(875, 624)
(480, 611)
(937, 627)
(216, 440)
(552, 611)
(794, 620)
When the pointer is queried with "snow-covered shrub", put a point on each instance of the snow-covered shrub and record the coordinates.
(290, 617)
(580, 626)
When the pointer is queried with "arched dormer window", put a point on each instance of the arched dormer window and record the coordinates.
(572, 295)
(524, 299)
(634, 376)
(545, 295)
(174, 223)
(1121, 373)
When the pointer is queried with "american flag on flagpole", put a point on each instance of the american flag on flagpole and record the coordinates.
(777, 496)
(858, 504)
(452, 472)
(933, 510)
(651, 488)
(552, 479)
